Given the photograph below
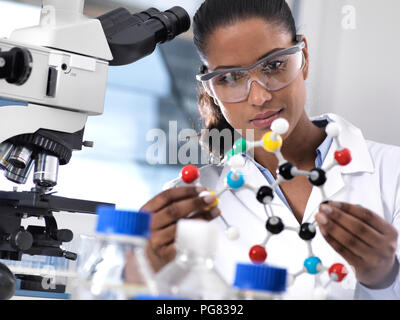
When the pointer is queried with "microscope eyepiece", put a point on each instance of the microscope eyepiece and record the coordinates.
(180, 18)
(15, 65)
(133, 36)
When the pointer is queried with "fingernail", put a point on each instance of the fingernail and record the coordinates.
(204, 193)
(215, 212)
(325, 208)
(336, 204)
(200, 189)
(209, 199)
(321, 218)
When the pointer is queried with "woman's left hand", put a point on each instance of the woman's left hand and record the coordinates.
(363, 239)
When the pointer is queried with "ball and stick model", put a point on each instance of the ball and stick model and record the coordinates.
(272, 142)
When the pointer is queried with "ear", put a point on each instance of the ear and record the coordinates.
(306, 57)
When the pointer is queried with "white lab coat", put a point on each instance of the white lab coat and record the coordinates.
(372, 179)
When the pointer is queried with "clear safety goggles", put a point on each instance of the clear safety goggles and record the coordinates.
(272, 72)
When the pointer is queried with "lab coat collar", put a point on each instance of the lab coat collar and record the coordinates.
(350, 137)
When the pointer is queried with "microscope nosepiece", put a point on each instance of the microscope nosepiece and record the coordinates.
(20, 157)
(46, 170)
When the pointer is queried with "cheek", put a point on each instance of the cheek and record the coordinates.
(232, 113)
(296, 98)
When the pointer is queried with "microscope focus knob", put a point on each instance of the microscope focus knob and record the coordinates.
(21, 240)
(8, 283)
(64, 235)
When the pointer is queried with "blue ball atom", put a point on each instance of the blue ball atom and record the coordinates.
(235, 183)
(311, 264)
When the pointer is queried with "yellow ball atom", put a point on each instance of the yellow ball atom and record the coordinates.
(214, 204)
(271, 145)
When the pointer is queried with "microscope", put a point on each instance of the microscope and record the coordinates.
(53, 76)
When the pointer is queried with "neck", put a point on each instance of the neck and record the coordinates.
(298, 148)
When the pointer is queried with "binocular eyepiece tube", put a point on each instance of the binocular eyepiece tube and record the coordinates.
(133, 36)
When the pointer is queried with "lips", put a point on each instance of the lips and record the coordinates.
(265, 120)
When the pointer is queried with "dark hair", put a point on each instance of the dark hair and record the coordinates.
(217, 13)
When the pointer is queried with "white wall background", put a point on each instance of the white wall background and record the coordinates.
(355, 72)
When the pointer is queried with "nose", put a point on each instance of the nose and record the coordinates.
(258, 94)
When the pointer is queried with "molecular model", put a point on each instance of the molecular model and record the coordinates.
(272, 142)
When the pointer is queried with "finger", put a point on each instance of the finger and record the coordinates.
(162, 237)
(358, 228)
(363, 214)
(207, 215)
(348, 255)
(343, 237)
(167, 252)
(180, 209)
(168, 196)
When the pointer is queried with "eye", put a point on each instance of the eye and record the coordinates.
(274, 66)
(230, 77)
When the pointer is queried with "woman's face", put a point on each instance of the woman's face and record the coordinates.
(240, 45)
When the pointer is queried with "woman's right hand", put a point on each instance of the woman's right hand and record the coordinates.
(167, 208)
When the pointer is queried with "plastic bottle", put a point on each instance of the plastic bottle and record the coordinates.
(192, 274)
(121, 238)
(259, 282)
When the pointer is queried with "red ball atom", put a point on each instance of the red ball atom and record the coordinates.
(343, 157)
(257, 254)
(190, 173)
(338, 270)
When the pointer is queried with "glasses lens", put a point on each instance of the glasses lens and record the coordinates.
(274, 74)
(279, 72)
(230, 86)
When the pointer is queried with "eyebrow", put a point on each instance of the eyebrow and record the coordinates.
(265, 55)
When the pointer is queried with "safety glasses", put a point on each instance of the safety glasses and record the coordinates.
(272, 72)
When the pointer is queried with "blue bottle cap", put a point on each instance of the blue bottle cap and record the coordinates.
(129, 223)
(260, 277)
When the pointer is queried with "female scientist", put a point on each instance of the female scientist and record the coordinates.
(358, 227)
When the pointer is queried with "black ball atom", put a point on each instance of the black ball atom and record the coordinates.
(285, 170)
(307, 231)
(321, 177)
(263, 193)
(274, 225)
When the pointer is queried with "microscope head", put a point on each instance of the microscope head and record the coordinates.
(54, 75)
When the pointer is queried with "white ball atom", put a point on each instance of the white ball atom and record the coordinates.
(280, 126)
(332, 129)
(232, 233)
(236, 162)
